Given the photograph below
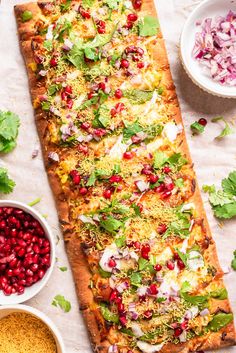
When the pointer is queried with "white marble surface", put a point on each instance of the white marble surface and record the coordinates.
(213, 160)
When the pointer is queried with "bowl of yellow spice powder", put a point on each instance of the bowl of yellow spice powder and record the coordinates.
(27, 330)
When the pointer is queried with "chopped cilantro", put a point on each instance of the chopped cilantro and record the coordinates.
(92, 54)
(197, 128)
(53, 89)
(219, 321)
(227, 129)
(63, 269)
(112, 4)
(104, 274)
(48, 45)
(121, 241)
(59, 300)
(148, 26)
(26, 16)
(46, 105)
(131, 130)
(65, 6)
(223, 201)
(6, 184)
(111, 224)
(88, 3)
(137, 96)
(9, 124)
(136, 279)
(176, 160)
(108, 315)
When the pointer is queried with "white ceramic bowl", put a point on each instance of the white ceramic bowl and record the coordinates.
(36, 287)
(194, 69)
(8, 309)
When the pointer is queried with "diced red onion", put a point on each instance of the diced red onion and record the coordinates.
(122, 286)
(54, 156)
(215, 47)
(142, 290)
(35, 153)
(113, 349)
(43, 72)
(142, 185)
(205, 312)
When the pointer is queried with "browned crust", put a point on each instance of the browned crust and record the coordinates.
(81, 273)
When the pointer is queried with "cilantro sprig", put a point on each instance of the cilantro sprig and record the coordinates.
(6, 184)
(227, 130)
(223, 201)
(9, 125)
(60, 301)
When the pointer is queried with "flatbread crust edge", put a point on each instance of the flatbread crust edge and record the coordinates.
(81, 273)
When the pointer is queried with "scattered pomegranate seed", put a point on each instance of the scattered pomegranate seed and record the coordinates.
(107, 194)
(137, 4)
(178, 331)
(69, 103)
(135, 139)
(111, 263)
(128, 155)
(85, 14)
(121, 307)
(147, 314)
(153, 290)
(76, 178)
(147, 169)
(99, 132)
(20, 265)
(83, 191)
(91, 95)
(184, 325)
(176, 256)
(123, 320)
(83, 148)
(170, 265)
(101, 27)
(102, 86)
(165, 195)
(124, 63)
(113, 295)
(68, 90)
(115, 179)
(158, 267)
(140, 206)
(118, 93)
(145, 251)
(119, 107)
(162, 228)
(170, 186)
(53, 62)
(160, 188)
(153, 178)
(140, 65)
(129, 25)
(202, 121)
(132, 17)
(166, 170)
(136, 245)
(181, 264)
(85, 126)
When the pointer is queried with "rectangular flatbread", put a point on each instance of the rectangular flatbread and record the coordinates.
(144, 262)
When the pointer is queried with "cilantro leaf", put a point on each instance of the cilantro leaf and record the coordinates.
(92, 54)
(227, 129)
(226, 211)
(59, 300)
(111, 224)
(9, 124)
(112, 4)
(6, 184)
(76, 57)
(26, 16)
(63, 269)
(209, 188)
(121, 241)
(233, 264)
(220, 294)
(48, 45)
(148, 26)
(104, 274)
(88, 3)
(136, 279)
(160, 159)
(219, 320)
(65, 6)
(219, 198)
(229, 184)
(197, 128)
(131, 130)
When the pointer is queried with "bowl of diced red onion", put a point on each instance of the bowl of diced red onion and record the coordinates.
(27, 252)
(208, 47)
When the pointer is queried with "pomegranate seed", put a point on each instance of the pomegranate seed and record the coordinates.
(118, 93)
(113, 112)
(91, 95)
(135, 139)
(16, 272)
(53, 62)
(83, 191)
(153, 290)
(166, 170)
(9, 272)
(145, 251)
(69, 103)
(99, 132)
(124, 63)
(137, 4)
(119, 107)
(85, 14)
(129, 25)
(153, 178)
(63, 96)
(3, 224)
(83, 148)
(184, 325)
(111, 263)
(68, 90)
(101, 27)
(181, 265)
(102, 86)
(13, 263)
(85, 125)
(147, 314)
(29, 273)
(165, 195)
(7, 290)
(170, 186)
(113, 296)
(107, 194)
(202, 121)
(140, 65)
(123, 320)
(118, 300)
(132, 17)
(41, 273)
(176, 256)
(75, 177)
(158, 267)
(162, 228)
(115, 179)
(178, 331)
(137, 245)
(20, 289)
(170, 265)
(128, 155)
(121, 307)
(21, 252)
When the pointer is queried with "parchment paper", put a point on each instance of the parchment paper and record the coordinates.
(213, 159)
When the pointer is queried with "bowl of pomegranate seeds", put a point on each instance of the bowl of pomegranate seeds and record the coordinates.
(27, 252)
(208, 47)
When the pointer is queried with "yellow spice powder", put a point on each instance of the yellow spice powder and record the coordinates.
(24, 333)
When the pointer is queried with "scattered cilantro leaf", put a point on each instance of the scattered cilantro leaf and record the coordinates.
(179, 182)
(112, 4)
(197, 128)
(148, 26)
(26, 16)
(63, 269)
(53, 89)
(138, 96)
(131, 130)
(220, 294)
(160, 159)
(88, 3)
(209, 188)
(48, 45)
(111, 224)
(121, 241)
(59, 300)
(65, 6)
(227, 129)
(233, 263)
(6, 184)
(46, 105)
(9, 125)
(136, 279)
(104, 274)
(229, 184)
(226, 211)
(219, 320)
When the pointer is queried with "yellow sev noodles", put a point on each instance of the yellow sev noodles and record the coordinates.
(24, 333)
